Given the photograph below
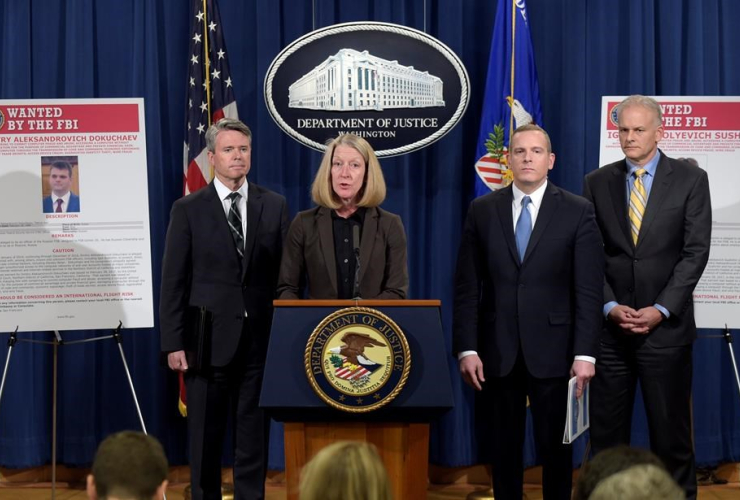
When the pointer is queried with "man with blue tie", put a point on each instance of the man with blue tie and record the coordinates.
(528, 297)
(655, 217)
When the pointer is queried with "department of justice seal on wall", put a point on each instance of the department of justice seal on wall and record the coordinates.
(357, 359)
(399, 88)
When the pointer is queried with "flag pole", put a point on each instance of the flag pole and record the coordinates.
(207, 61)
(207, 66)
(513, 66)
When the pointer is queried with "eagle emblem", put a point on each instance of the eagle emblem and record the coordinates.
(350, 361)
(357, 359)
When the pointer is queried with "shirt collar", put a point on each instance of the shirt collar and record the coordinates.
(358, 215)
(536, 196)
(223, 191)
(65, 198)
(649, 167)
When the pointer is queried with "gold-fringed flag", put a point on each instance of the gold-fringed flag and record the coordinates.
(512, 96)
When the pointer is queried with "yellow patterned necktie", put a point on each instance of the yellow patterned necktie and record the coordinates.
(638, 202)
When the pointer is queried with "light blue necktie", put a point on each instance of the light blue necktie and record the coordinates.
(523, 228)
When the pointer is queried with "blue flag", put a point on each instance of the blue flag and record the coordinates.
(512, 96)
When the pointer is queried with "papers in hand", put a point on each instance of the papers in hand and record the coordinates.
(576, 419)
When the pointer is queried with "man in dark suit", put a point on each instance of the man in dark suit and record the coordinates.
(655, 217)
(61, 199)
(527, 303)
(221, 259)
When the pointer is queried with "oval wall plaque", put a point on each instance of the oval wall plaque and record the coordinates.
(397, 87)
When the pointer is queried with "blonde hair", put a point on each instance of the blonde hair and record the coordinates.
(372, 192)
(346, 470)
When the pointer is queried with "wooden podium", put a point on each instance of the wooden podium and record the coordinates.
(400, 430)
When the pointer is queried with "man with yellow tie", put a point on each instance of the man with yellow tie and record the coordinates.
(655, 218)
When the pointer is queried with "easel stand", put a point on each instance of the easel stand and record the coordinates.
(56, 342)
(727, 335)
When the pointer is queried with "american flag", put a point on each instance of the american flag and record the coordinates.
(210, 91)
(210, 98)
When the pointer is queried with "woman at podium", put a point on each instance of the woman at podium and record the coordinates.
(346, 247)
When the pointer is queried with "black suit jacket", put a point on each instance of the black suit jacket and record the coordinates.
(550, 304)
(201, 269)
(309, 256)
(672, 249)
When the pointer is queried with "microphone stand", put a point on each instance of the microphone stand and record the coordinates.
(356, 251)
(356, 291)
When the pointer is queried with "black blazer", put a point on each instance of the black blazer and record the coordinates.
(672, 249)
(201, 268)
(309, 256)
(550, 304)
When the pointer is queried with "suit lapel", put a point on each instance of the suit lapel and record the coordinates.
(369, 232)
(618, 193)
(503, 207)
(550, 203)
(254, 216)
(326, 240)
(658, 192)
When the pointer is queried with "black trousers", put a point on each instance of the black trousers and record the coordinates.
(505, 401)
(665, 376)
(213, 396)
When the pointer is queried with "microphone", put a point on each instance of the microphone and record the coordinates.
(356, 249)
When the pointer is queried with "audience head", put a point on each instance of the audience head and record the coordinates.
(128, 466)
(345, 470)
(608, 463)
(639, 482)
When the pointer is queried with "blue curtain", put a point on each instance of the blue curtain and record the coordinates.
(132, 48)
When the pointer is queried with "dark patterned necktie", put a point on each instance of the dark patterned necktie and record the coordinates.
(59, 205)
(235, 223)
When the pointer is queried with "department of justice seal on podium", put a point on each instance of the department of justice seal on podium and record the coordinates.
(357, 359)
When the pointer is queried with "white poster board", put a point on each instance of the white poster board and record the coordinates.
(87, 263)
(706, 129)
